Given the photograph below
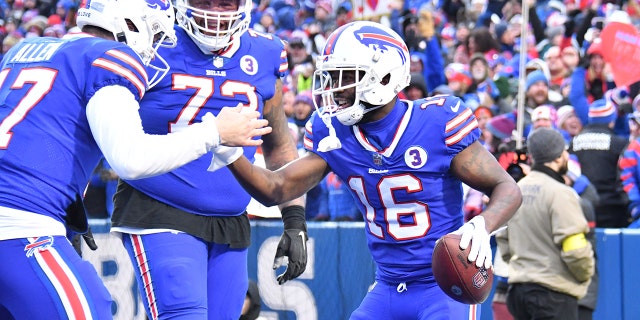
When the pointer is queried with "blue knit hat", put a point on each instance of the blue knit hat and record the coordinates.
(602, 112)
(534, 77)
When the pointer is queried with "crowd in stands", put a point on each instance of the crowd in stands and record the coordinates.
(470, 49)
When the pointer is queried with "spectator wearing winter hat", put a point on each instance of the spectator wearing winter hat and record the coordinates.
(536, 90)
(543, 116)
(598, 150)
(265, 21)
(344, 13)
(506, 38)
(568, 121)
(458, 78)
(417, 88)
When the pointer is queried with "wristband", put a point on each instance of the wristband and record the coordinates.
(294, 218)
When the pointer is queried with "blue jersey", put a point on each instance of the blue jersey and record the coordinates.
(198, 83)
(398, 170)
(47, 151)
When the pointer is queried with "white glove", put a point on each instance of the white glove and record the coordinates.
(223, 155)
(475, 232)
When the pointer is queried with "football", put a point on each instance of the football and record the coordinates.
(457, 277)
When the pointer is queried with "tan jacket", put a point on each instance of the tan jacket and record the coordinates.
(532, 243)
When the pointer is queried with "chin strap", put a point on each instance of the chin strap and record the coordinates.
(330, 142)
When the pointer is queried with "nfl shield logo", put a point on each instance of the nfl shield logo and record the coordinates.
(480, 278)
(377, 159)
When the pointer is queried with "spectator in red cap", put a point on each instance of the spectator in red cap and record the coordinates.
(458, 78)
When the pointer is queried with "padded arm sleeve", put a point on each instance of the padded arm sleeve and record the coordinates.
(117, 128)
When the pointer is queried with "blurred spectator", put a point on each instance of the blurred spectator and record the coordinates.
(344, 13)
(485, 91)
(570, 56)
(339, 203)
(303, 107)
(598, 150)
(480, 40)
(546, 280)
(536, 89)
(543, 116)
(35, 27)
(598, 78)
(568, 121)
(266, 22)
(630, 170)
(458, 78)
(558, 71)
(589, 199)
(300, 61)
(483, 115)
(506, 37)
(288, 96)
(417, 88)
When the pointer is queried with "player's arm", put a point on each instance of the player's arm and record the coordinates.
(112, 113)
(287, 183)
(278, 147)
(479, 169)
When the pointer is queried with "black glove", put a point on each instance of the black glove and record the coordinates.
(293, 244)
(88, 239)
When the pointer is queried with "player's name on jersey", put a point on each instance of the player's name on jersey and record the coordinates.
(36, 52)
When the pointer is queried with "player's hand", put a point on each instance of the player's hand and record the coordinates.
(88, 239)
(238, 126)
(475, 233)
(293, 244)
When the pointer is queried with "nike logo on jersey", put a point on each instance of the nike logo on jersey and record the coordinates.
(457, 106)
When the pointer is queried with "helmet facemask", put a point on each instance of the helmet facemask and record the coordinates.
(214, 30)
(147, 43)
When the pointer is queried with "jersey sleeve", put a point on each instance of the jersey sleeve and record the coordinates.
(461, 128)
(270, 44)
(117, 65)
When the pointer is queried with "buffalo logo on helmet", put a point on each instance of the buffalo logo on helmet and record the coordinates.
(158, 4)
(378, 38)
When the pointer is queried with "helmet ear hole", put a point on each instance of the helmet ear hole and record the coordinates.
(386, 79)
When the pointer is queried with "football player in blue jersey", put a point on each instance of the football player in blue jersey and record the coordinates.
(404, 161)
(187, 233)
(63, 104)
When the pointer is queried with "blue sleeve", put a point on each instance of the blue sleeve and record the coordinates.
(434, 66)
(578, 95)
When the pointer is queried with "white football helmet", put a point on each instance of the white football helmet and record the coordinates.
(380, 60)
(152, 19)
(213, 30)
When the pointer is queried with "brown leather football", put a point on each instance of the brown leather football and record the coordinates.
(459, 278)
